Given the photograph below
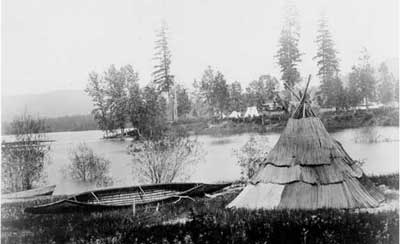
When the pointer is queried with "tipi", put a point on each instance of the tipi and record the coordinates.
(251, 112)
(307, 169)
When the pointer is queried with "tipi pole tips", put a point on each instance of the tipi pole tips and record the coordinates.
(308, 83)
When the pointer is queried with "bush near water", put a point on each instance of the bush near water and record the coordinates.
(207, 221)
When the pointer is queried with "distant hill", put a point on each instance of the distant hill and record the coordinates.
(50, 104)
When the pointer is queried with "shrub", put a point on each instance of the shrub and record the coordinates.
(88, 167)
(22, 161)
(248, 156)
(165, 160)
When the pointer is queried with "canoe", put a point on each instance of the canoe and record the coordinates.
(122, 197)
(43, 191)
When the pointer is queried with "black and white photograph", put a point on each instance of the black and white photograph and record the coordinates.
(200, 121)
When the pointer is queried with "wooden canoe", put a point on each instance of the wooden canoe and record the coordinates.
(115, 198)
(43, 191)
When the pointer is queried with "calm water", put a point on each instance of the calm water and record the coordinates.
(219, 162)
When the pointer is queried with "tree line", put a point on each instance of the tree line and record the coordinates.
(363, 83)
(119, 101)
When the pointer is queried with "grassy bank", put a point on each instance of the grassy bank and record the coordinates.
(200, 221)
(390, 180)
(332, 121)
(207, 222)
(361, 118)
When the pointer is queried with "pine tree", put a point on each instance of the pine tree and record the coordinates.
(162, 77)
(328, 65)
(162, 74)
(288, 54)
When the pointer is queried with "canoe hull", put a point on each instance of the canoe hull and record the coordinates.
(43, 191)
(115, 198)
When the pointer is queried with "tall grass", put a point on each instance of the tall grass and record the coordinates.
(208, 221)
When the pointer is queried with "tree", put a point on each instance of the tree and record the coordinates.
(135, 98)
(152, 114)
(201, 107)
(235, 97)
(115, 95)
(24, 159)
(355, 96)
(396, 90)
(362, 81)
(162, 73)
(328, 65)
(339, 96)
(184, 103)
(165, 160)
(261, 90)
(386, 88)
(220, 93)
(96, 89)
(87, 167)
(117, 92)
(213, 88)
(367, 79)
(288, 54)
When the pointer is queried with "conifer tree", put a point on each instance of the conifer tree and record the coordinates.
(162, 77)
(288, 54)
(328, 65)
(162, 74)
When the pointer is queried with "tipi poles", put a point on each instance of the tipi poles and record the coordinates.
(302, 101)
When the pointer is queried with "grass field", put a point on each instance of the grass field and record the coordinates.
(202, 221)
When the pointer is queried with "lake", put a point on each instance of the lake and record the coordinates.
(219, 162)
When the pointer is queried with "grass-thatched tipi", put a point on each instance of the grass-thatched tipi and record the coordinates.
(307, 169)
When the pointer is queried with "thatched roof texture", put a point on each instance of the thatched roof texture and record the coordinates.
(307, 169)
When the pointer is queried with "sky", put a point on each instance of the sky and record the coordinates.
(54, 44)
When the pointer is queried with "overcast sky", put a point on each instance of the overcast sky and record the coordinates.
(54, 44)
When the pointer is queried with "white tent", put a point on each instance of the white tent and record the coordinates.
(251, 112)
(234, 115)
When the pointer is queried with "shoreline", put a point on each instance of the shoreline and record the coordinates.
(333, 121)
